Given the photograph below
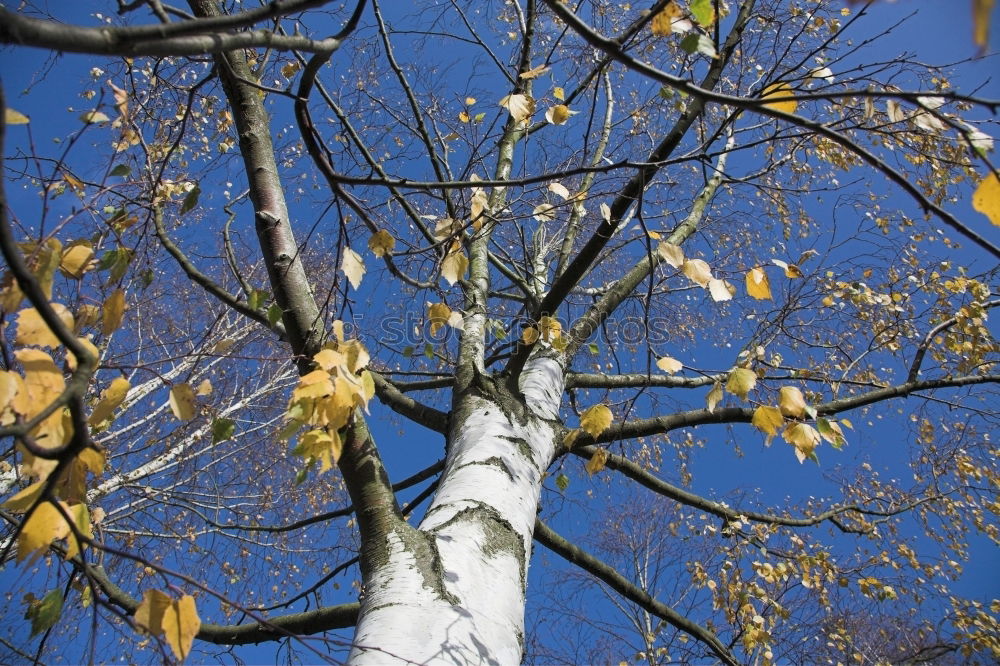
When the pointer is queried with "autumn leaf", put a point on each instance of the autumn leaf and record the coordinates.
(662, 22)
(381, 243)
(111, 398)
(44, 613)
(534, 72)
(175, 619)
(455, 265)
(804, 438)
(831, 432)
(719, 290)
(204, 388)
(94, 117)
(669, 365)
(986, 198)
(671, 253)
(12, 117)
(981, 22)
(32, 329)
(757, 285)
(182, 402)
(559, 189)
(596, 419)
(353, 267)
(437, 315)
(77, 260)
(47, 524)
(703, 12)
(791, 270)
(558, 114)
(768, 420)
(544, 212)
(529, 335)
(521, 107)
(791, 402)
(597, 461)
(113, 312)
(697, 270)
(714, 397)
(778, 90)
(741, 381)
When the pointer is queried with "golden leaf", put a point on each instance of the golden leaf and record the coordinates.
(662, 22)
(697, 270)
(204, 388)
(437, 314)
(757, 285)
(986, 198)
(182, 401)
(381, 243)
(741, 381)
(529, 335)
(778, 90)
(558, 114)
(45, 525)
(12, 117)
(597, 461)
(768, 420)
(113, 312)
(71, 360)
(177, 620)
(111, 398)
(534, 72)
(803, 437)
(791, 402)
(77, 260)
(521, 107)
(981, 22)
(32, 330)
(596, 419)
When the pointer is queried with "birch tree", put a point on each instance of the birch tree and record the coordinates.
(323, 321)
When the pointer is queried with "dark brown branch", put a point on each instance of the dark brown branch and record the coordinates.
(607, 574)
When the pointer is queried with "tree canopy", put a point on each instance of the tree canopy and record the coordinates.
(489, 331)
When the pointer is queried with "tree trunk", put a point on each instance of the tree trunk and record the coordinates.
(453, 590)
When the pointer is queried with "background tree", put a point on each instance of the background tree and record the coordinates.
(655, 239)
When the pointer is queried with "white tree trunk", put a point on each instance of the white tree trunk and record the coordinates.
(453, 592)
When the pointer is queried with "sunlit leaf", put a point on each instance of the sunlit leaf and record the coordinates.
(596, 419)
(672, 254)
(768, 420)
(113, 312)
(437, 315)
(534, 72)
(183, 402)
(757, 285)
(669, 365)
(597, 461)
(714, 397)
(381, 243)
(661, 23)
(111, 398)
(792, 402)
(94, 117)
(703, 12)
(353, 267)
(77, 260)
(697, 270)
(175, 619)
(521, 107)
(741, 381)
(32, 329)
(558, 114)
(720, 290)
(778, 90)
(804, 438)
(986, 198)
(12, 117)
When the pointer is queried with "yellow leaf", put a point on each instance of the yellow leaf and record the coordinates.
(45, 525)
(986, 198)
(25, 499)
(81, 521)
(77, 260)
(791, 402)
(778, 90)
(757, 285)
(669, 365)
(521, 107)
(544, 212)
(662, 22)
(455, 265)
(714, 397)
(558, 114)
(86, 315)
(570, 438)
(32, 330)
(353, 267)
(981, 22)
(559, 189)
(741, 381)
(671, 253)
(791, 270)
(289, 69)
(768, 420)
(529, 335)
(549, 328)
(71, 360)
(94, 117)
(182, 401)
(463, 116)
(596, 419)
(113, 312)
(204, 388)
(534, 72)
(558, 93)
(469, 101)
(437, 314)
(176, 619)
(12, 117)
(697, 270)
(803, 437)
(111, 398)
(597, 461)
(73, 181)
